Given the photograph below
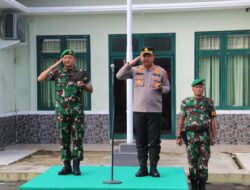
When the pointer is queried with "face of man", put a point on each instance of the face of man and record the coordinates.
(69, 61)
(147, 60)
(198, 90)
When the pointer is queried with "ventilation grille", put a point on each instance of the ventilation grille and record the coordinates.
(12, 26)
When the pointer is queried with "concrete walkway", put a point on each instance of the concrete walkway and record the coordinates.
(228, 163)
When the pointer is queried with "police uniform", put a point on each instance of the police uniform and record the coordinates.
(198, 114)
(69, 109)
(147, 110)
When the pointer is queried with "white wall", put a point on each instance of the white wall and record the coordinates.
(23, 84)
(98, 26)
(7, 81)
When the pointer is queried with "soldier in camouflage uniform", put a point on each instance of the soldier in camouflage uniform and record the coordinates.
(198, 116)
(70, 84)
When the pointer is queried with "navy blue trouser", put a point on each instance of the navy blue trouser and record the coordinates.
(147, 129)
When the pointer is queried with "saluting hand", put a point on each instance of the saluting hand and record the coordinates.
(44, 74)
(135, 60)
(56, 63)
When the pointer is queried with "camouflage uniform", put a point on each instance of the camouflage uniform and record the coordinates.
(69, 110)
(198, 114)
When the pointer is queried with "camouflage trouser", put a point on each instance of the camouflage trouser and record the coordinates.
(71, 126)
(198, 153)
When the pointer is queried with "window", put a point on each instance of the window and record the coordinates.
(223, 60)
(49, 49)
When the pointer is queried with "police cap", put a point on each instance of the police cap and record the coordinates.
(147, 50)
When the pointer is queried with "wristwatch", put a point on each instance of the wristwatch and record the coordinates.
(178, 137)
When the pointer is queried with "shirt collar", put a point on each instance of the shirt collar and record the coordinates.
(151, 68)
(69, 70)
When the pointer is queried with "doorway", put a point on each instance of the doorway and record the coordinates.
(165, 59)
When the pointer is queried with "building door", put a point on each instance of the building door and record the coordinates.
(164, 59)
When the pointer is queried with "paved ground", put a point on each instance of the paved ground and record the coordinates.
(10, 186)
(14, 186)
(225, 172)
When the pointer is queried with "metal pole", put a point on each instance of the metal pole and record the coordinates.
(112, 118)
(129, 81)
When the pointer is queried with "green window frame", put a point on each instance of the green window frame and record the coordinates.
(142, 40)
(223, 59)
(49, 48)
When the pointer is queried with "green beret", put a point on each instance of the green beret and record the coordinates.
(68, 52)
(198, 82)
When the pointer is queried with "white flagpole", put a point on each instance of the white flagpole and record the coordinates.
(129, 81)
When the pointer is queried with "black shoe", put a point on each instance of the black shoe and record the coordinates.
(66, 170)
(76, 167)
(142, 172)
(194, 184)
(202, 184)
(154, 172)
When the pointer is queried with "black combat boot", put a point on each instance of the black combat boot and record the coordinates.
(202, 184)
(143, 171)
(194, 184)
(66, 169)
(154, 157)
(76, 167)
(153, 170)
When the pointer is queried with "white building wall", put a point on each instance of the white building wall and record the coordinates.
(7, 81)
(98, 26)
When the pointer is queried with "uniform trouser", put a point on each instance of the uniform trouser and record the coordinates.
(198, 157)
(71, 127)
(147, 128)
